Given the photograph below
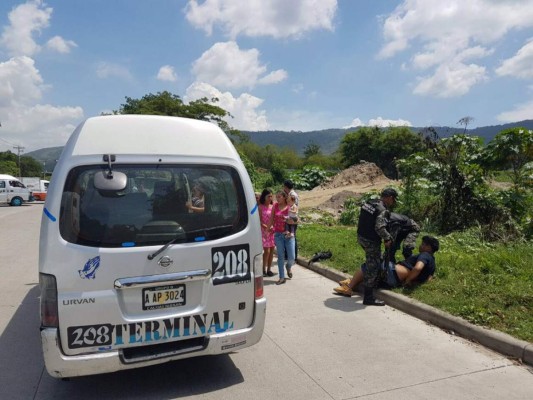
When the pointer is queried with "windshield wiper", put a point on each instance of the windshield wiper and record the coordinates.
(208, 231)
(205, 231)
(162, 249)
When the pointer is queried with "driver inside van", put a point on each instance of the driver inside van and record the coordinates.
(196, 204)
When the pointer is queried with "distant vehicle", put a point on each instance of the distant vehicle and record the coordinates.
(13, 191)
(38, 187)
(129, 276)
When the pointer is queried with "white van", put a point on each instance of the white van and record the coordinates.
(38, 187)
(13, 191)
(129, 275)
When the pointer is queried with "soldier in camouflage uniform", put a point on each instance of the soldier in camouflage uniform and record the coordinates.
(402, 229)
(371, 229)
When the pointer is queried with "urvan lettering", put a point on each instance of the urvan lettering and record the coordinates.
(149, 331)
(73, 302)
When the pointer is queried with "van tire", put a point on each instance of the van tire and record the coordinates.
(16, 201)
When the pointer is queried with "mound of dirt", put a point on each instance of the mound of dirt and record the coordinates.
(351, 182)
(363, 173)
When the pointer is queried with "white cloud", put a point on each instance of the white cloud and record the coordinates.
(109, 70)
(25, 122)
(244, 108)
(41, 125)
(379, 121)
(275, 18)
(451, 80)
(25, 20)
(57, 43)
(354, 124)
(521, 65)
(273, 77)
(167, 73)
(21, 82)
(226, 66)
(449, 34)
(520, 113)
(388, 122)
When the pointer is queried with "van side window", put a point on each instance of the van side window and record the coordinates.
(17, 184)
(152, 209)
(2, 185)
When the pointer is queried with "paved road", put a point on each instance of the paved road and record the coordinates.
(315, 346)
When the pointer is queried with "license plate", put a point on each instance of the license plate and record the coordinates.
(163, 297)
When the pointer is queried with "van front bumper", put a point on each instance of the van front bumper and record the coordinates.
(60, 365)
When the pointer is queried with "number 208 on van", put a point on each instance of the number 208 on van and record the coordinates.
(150, 247)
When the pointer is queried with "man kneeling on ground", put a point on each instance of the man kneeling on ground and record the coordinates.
(415, 269)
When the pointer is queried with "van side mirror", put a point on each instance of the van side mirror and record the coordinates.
(110, 182)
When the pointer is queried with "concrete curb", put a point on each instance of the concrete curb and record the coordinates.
(495, 340)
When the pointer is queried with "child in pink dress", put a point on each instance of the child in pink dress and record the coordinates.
(267, 233)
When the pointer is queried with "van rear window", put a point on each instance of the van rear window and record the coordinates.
(185, 203)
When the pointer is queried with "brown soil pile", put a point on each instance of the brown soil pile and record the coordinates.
(351, 182)
(364, 173)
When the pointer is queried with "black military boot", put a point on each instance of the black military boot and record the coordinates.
(369, 299)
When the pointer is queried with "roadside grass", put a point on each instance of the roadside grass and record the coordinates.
(487, 284)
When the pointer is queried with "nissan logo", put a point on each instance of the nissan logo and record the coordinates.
(165, 261)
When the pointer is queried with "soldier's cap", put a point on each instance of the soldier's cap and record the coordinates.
(389, 192)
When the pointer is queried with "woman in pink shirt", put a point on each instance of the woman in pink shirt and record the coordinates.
(267, 233)
(280, 212)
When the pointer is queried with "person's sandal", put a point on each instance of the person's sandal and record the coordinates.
(281, 281)
(270, 273)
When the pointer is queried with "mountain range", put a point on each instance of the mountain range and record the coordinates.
(327, 139)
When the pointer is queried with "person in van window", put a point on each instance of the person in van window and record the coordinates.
(197, 203)
(267, 232)
(278, 218)
(415, 269)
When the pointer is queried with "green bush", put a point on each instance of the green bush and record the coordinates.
(308, 178)
(350, 213)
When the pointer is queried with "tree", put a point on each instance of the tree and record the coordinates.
(360, 145)
(9, 164)
(312, 149)
(465, 121)
(382, 147)
(512, 148)
(397, 142)
(9, 167)
(166, 103)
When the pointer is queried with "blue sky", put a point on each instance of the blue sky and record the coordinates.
(274, 64)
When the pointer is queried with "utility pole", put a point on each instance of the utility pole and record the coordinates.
(19, 150)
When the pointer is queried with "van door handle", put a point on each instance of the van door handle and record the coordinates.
(166, 279)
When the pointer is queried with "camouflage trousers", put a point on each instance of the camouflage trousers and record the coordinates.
(373, 258)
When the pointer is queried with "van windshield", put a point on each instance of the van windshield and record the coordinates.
(185, 203)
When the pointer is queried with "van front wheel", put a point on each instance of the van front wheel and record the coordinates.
(16, 201)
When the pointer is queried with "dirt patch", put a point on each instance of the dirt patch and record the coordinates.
(351, 182)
